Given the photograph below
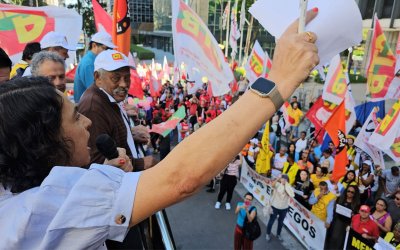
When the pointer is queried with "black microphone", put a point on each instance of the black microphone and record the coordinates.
(107, 146)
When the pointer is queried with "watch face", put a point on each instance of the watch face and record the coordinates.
(263, 85)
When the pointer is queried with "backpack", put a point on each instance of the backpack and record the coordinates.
(251, 230)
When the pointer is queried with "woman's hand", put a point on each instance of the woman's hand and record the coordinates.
(122, 162)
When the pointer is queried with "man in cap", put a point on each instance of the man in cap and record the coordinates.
(364, 225)
(102, 103)
(50, 65)
(84, 74)
(53, 42)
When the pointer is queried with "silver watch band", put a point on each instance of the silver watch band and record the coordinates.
(276, 98)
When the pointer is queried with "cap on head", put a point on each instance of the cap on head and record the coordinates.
(55, 39)
(104, 38)
(111, 60)
(365, 208)
(254, 140)
(368, 163)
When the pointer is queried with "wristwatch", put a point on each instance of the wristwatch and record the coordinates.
(266, 88)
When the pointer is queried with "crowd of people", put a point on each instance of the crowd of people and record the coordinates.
(51, 131)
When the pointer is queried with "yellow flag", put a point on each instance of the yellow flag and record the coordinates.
(263, 162)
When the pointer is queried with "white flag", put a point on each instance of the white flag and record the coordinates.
(385, 134)
(195, 45)
(234, 32)
(225, 15)
(362, 139)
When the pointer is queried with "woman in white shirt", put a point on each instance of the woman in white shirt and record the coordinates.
(76, 208)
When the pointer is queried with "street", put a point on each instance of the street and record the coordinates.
(196, 224)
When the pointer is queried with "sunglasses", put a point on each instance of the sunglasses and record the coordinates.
(349, 191)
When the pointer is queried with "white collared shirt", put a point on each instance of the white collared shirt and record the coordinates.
(73, 208)
(129, 137)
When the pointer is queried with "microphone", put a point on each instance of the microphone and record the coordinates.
(107, 146)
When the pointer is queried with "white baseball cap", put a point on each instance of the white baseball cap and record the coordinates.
(111, 60)
(55, 39)
(103, 38)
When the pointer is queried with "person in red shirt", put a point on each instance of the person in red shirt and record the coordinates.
(362, 224)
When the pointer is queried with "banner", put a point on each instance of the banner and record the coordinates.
(121, 29)
(197, 48)
(355, 241)
(336, 128)
(102, 19)
(308, 229)
(234, 34)
(362, 139)
(256, 62)
(20, 25)
(381, 65)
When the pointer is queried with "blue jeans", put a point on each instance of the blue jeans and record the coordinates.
(281, 213)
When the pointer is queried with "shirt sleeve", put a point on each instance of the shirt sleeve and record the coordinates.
(88, 75)
(329, 211)
(312, 199)
(98, 207)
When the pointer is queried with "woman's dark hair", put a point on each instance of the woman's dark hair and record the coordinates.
(5, 61)
(355, 204)
(30, 132)
(345, 176)
(30, 50)
(384, 201)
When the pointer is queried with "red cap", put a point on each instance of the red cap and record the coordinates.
(365, 208)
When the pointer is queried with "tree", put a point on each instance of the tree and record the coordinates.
(85, 9)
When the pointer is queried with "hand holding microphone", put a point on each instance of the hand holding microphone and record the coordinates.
(114, 156)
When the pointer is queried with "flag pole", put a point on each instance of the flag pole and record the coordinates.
(242, 22)
(247, 46)
(227, 28)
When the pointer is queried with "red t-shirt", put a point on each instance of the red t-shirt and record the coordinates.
(368, 227)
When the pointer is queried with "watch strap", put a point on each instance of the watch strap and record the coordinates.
(276, 98)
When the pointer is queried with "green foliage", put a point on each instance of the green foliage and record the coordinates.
(32, 3)
(85, 9)
(142, 53)
(357, 78)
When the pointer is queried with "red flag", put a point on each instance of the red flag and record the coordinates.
(121, 28)
(209, 90)
(71, 74)
(336, 128)
(102, 19)
(136, 85)
(314, 115)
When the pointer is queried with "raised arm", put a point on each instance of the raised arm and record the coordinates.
(193, 163)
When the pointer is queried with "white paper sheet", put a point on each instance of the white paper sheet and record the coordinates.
(338, 24)
(343, 210)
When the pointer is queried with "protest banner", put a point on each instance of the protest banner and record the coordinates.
(21, 25)
(195, 46)
(354, 241)
(307, 228)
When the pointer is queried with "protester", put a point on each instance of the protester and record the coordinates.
(243, 213)
(327, 155)
(315, 152)
(323, 201)
(319, 176)
(391, 181)
(381, 217)
(349, 199)
(5, 66)
(304, 163)
(280, 159)
(303, 188)
(282, 191)
(365, 178)
(53, 42)
(84, 76)
(27, 55)
(364, 225)
(77, 208)
(228, 183)
(393, 238)
(252, 153)
(50, 65)
(292, 150)
(349, 179)
(301, 144)
(296, 114)
(394, 208)
(290, 168)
